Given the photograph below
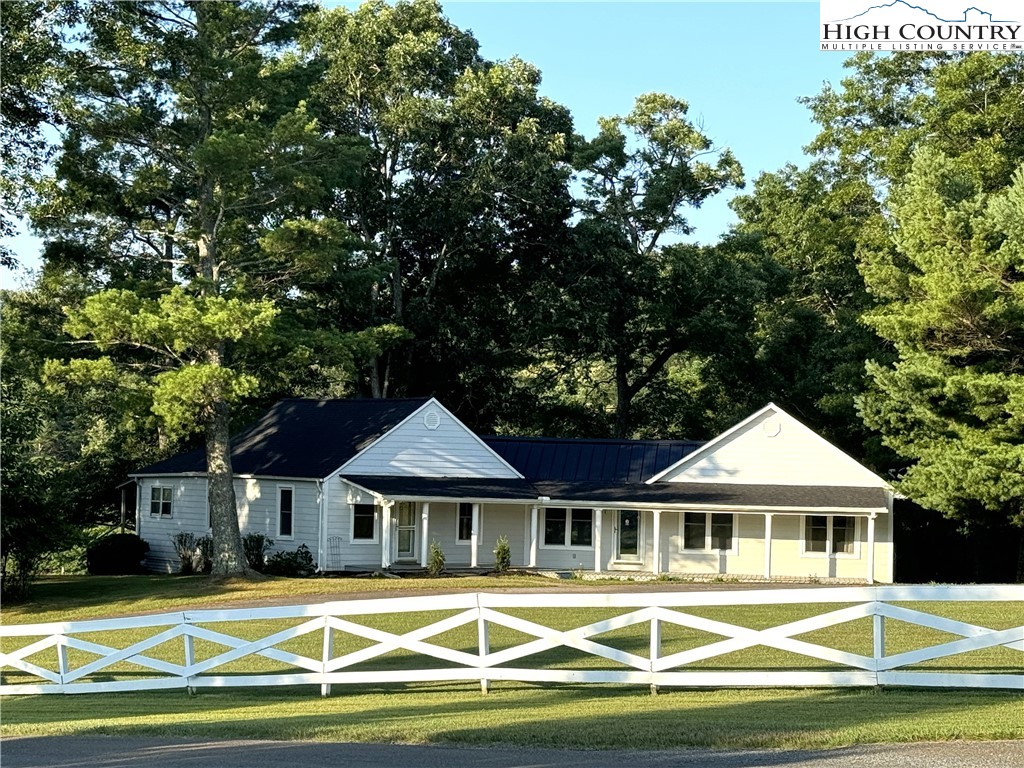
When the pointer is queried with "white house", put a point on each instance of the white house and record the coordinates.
(370, 483)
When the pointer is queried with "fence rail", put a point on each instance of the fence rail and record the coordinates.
(43, 663)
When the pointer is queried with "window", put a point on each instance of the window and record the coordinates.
(285, 498)
(160, 501)
(840, 530)
(708, 531)
(364, 522)
(464, 524)
(568, 528)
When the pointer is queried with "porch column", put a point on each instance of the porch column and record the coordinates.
(385, 534)
(871, 548)
(425, 521)
(598, 514)
(533, 536)
(657, 541)
(474, 536)
(768, 546)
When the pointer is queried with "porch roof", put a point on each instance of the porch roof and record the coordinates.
(655, 495)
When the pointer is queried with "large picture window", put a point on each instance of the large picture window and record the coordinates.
(568, 527)
(836, 535)
(160, 501)
(364, 522)
(708, 531)
(285, 501)
(464, 524)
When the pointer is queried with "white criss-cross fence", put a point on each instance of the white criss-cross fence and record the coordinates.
(41, 662)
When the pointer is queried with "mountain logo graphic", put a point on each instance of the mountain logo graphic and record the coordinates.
(905, 6)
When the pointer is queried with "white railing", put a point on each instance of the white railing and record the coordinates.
(649, 612)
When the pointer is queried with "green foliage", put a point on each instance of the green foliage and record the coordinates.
(116, 555)
(952, 302)
(256, 546)
(296, 564)
(502, 555)
(435, 559)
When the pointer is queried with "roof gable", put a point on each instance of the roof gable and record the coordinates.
(430, 442)
(770, 447)
(610, 461)
(301, 438)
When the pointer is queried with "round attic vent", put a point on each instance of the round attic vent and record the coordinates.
(771, 426)
(431, 419)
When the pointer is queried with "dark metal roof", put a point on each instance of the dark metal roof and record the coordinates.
(301, 438)
(625, 494)
(608, 461)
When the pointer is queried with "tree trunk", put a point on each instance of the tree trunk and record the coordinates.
(228, 555)
(623, 397)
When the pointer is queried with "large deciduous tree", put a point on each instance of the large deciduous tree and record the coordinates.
(635, 299)
(460, 203)
(193, 177)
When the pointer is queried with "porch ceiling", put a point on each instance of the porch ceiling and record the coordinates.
(656, 495)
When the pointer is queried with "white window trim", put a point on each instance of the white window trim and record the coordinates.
(291, 536)
(161, 515)
(855, 555)
(707, 549)
(566, 547)
(463, 542)
(352, 525)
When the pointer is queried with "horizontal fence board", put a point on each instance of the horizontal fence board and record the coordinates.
(645, 612)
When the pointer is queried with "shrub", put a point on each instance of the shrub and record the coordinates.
(502, 555)
(297, 564)
(256, 546)
(194, 553)
(116, 555)
(435, 559)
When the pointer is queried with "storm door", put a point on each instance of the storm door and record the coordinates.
(406, 531)
(629, 537)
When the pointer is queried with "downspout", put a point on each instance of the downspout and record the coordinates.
(320, 528)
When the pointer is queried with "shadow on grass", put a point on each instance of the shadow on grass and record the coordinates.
(566, 716)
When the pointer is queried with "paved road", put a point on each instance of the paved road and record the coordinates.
(116, 752)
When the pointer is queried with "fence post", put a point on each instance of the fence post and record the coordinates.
(483, 641)
(655, 651)
(878, 637)
(62, 659)
(190, 656)
(328, 654)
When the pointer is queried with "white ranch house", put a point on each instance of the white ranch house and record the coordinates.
(368, 484)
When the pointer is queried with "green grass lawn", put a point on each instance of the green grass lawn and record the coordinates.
(547, 715)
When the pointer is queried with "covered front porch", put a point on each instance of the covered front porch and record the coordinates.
(816, 533)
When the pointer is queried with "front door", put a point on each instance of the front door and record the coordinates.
(629, 540)
(406, 531)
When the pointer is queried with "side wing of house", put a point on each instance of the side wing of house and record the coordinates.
(839, 538)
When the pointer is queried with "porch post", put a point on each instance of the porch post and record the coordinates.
(598, 514)
(871, 548)
(533, 536)
(425, 520)
(657, 541)
(385, 534)
(474, 536)
(768, 546)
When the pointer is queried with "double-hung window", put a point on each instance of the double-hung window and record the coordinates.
(364, 522)
(160, 501)
(830, 535)
(568, 527)
(708, 531)
(285, 509)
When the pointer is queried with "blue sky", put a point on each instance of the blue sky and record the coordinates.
(740, 65)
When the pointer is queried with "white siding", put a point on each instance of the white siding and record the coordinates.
(188, 513)
(339, 548)
(413, 450)
(257, 512)
(774, 449)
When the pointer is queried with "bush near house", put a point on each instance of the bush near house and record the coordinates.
(119, 554)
